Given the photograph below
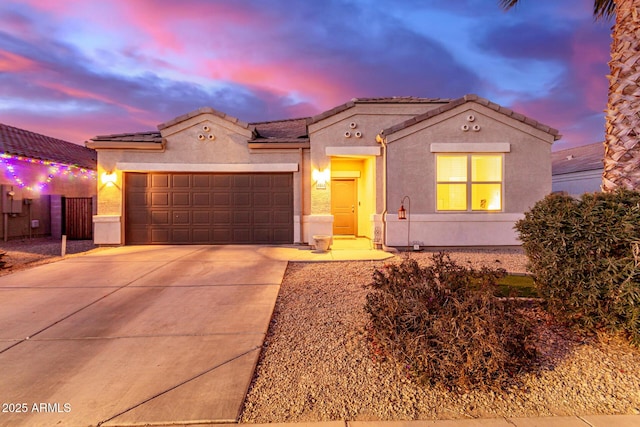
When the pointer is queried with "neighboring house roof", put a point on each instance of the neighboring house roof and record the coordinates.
(578, 159)
(478, 100)
(20, 142)
(390, 100)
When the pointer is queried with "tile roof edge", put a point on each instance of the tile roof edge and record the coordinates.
(478, 100)
(200, 111)
(388, 100)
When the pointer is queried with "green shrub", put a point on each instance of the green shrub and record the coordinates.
(584, 258)
(444, 325)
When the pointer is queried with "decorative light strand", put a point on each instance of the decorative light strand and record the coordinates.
(54, 170)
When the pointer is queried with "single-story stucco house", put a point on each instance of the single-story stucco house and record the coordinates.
(47, 185)
(469, 167)
(578, 170)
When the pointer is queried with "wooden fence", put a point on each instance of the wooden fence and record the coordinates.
(78, 218)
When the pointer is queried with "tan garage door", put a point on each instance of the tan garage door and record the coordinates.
(204, 208)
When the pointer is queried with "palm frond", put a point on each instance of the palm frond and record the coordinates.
(604, 9)
(508, 4)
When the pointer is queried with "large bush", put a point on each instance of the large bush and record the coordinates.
(443, 324)
(584, 257)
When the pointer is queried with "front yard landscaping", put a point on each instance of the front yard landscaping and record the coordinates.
(317, 362)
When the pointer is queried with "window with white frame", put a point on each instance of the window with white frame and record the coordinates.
(469, 182)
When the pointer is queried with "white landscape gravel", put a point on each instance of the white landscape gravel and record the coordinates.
(316, 365)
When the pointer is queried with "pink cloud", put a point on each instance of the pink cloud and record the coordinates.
(83, 94)
(13, 63)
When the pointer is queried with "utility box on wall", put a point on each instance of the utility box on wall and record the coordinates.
(11, 199)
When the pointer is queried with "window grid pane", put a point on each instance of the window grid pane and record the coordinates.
(486, 197)
(452, 168)
(452, 197)
(486, 168)
(454, 185)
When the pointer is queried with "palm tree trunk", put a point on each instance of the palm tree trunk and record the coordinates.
(622, 135)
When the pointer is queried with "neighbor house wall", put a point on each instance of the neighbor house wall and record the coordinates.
(578, 183)
(412, 172)
(38, 204)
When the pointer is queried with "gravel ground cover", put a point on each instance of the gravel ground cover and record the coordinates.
(26, 253)
(316, 365)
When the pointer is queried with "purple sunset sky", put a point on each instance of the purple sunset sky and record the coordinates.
(73, 69)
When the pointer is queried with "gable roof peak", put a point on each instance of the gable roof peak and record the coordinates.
(478, 100)
(200, 111)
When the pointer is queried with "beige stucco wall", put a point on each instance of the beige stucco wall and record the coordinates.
(411, 171)
(330, 133)
(184, 151)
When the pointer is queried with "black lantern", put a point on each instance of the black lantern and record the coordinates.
(402, 212)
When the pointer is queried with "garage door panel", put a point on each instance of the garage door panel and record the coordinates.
(262, 217)
(139, 181)
(138, 198)
(208, 208)
(241, 218)
(241, 199)
(201, 181)
(201, 200)
(222, 181)
(181, 181)
(160, 217)
(201, 217)
(282, 200)
(201, 235)
(282, 180)
(281, 234)
(159, 199)
(160, 236)
(262, 182)
(241, 181)
(160, 180)
(181, 217)
(181, 199)
(221, 199)
(261, 200)
(242, 235)
(221, 218)
(180, 235)
(222, 235)
(280, 218)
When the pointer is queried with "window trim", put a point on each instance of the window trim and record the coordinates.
(469, 183)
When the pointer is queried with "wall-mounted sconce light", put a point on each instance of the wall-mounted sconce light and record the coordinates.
(321, 178)
(109, 179)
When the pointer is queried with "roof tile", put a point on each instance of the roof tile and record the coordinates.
(20, 142)
(578, 159)
(472, 98)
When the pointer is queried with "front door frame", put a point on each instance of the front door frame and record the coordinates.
(354, 204)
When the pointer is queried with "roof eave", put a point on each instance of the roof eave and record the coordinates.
(126, 145)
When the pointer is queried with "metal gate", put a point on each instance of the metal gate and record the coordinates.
(78, 218)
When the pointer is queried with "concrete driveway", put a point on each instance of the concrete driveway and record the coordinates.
(134, 335)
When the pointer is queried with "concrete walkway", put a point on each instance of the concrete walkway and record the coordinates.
(133, 335)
